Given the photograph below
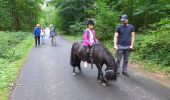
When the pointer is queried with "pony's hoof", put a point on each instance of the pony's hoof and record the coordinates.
(74, 73)
(104, 84)
(80, 71)
(99, 81)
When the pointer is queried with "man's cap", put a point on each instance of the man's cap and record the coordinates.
(124, 17)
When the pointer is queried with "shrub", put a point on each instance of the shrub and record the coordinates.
(8, 40)
(156, 46)
(77, 28)
(106, 21)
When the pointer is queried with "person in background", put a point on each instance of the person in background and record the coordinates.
(123, 43)
(42, 36)
(53, 35)
(37, 31)
(47, 31)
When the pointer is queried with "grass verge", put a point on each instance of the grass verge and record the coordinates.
(10, 69)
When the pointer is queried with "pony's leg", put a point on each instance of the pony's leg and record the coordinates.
(99, 71)
(103, 80)
(74, 72)
(79, 67)
(100, 76)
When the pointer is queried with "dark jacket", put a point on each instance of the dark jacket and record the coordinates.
(37, 31)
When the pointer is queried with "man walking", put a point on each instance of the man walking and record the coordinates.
(123, 43)
(37, 31)
(53, 35)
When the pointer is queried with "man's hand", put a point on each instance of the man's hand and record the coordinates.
(115, 47)
(131, 47)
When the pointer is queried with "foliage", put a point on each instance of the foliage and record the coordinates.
(106, 21)
(142, 13)
(49, 17)
(8, 41)
(12, 58)
(71, 11)
(19, 14)
(77, 28)
(155, 47)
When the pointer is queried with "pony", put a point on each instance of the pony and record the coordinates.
(100, 55)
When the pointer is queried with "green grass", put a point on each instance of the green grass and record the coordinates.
(9, 69)
(149, 65)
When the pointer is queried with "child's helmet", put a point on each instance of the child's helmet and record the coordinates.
(91, 22)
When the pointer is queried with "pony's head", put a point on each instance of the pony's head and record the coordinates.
(110, 75)
(111, 71)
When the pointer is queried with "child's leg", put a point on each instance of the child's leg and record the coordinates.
(43, 39)
(86, 56)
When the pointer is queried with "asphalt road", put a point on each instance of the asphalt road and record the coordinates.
(47, 75)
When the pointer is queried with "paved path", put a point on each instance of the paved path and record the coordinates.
(47, 75)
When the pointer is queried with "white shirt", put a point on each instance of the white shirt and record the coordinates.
(47, 31)
(91, 37)
(42, 32)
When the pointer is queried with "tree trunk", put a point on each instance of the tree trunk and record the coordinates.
(145, 20)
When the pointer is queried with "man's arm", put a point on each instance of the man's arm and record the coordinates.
(132, 40)
(115, 41)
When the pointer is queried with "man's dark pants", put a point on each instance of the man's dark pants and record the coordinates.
(37, 40)
(125, 54)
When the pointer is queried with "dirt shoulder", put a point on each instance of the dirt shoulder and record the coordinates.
(157, 76)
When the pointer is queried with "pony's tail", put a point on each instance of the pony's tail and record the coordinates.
(73, 55)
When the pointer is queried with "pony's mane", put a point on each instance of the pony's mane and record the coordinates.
(107, 51)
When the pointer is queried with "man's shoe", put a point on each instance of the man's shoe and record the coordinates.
(125, 74)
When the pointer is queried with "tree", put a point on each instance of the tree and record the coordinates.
(19, 14)
(71, 11)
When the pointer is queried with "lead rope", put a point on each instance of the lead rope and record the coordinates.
(116, 57)
(91, 59)
(91, 51)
